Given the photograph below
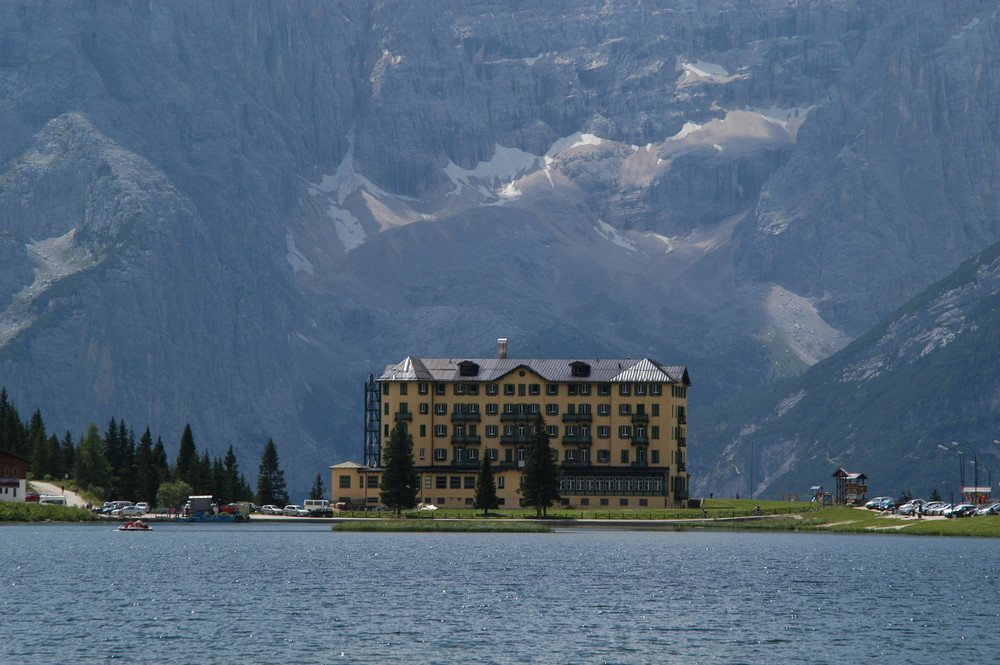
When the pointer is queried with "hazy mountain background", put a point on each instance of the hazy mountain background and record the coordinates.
(230, 213)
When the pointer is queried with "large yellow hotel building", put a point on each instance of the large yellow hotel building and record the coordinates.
(618, 426)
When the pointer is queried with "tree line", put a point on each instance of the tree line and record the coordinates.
(113, 465)
(539, 486)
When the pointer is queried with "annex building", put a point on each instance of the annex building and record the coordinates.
(13, 476)
(618, 426)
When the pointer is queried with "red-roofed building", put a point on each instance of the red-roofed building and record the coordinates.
(13, 476)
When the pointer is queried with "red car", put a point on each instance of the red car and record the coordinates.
(31, 496)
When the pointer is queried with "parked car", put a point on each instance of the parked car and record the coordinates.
(271, 509)
(296, 510)
(872, 505)
(132, 511)
(31, 496)
(960, 510)
(886, 503)
(318, 508)
(931, 506)
(910, 508)
(985, 509)
(144, 506)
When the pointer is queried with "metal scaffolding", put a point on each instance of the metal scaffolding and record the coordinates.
(373, 409)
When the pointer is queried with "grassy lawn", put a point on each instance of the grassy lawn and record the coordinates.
(852, 520)
(11, 511)
(467, 526)
(714, 508)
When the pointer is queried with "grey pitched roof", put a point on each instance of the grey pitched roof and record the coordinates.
(602, 370)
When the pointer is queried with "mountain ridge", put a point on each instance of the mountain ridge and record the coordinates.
(296, 195)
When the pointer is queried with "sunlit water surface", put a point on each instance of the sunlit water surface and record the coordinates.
(277, 593)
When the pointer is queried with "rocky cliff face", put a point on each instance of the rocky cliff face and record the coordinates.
(230, 214)
(883, 406)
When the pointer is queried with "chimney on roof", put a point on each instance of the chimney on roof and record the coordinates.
(501, 348)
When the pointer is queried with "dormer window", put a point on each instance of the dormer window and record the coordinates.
(579, 369)
(468, 368)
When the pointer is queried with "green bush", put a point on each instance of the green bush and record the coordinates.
(33, 512)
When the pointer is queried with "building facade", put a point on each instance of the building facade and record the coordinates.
(618, 427)
(13, 476)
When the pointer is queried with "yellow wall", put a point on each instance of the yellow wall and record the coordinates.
(428, 412)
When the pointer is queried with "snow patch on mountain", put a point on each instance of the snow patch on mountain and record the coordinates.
(491, 177)
(687, 129)
(702, 69)
(783, 116)
(295, 257)
(611, 233)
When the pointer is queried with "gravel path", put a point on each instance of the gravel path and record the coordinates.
(72, 498)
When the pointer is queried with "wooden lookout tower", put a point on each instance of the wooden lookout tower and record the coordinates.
(851, 487)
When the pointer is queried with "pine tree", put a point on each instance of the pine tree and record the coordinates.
(485, 497)
(54, 453)
(124, 476)
(41, 465)
(13, 436)
(186, 455)
(218, 487)
(318, 491)
(147, 477)
(160, 461)
(113, 449)
(270, 478)
(400, 480)
(540, 478)
(232, 483)
(67, 451)
(94, 471)
(200, 474)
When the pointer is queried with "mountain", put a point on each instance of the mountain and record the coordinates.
(926, 377)
(229, 214)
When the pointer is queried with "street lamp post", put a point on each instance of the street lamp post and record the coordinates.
(975, 461)
(989, 478)
(961, 465)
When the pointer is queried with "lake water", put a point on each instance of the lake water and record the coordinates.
(281, 593)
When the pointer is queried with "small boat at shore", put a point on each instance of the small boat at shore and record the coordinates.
(135, 525)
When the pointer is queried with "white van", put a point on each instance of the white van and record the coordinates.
(318, 507)
(52, 499)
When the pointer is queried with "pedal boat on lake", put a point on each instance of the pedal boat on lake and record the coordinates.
(135, 525)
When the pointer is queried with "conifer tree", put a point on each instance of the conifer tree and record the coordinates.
(318, 491)
(40, 463)
(124, 475)
(485, 498)
(54, 453)
(218, 487)
(270, 478)
(67, 451)
(540, 478)
(147, 477)
(400, 480)
(160, 461)
(13, 435)
(233, 484)
(200, 474)
(186, 455)
(94, 470)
